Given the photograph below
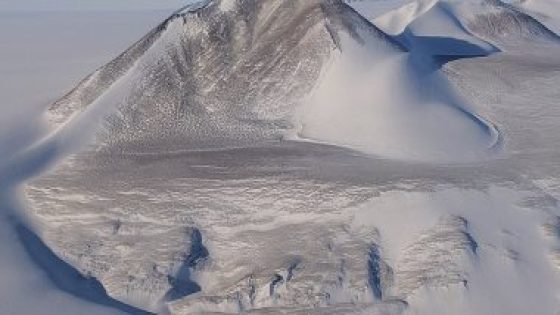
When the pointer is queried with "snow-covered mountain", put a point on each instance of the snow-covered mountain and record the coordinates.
(315, 156)
(473, 27)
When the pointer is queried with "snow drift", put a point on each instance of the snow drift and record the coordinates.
(379, 99)
(463, 28)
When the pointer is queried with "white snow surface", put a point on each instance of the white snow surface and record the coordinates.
(397, 159)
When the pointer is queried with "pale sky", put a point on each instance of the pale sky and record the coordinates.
(89, 5)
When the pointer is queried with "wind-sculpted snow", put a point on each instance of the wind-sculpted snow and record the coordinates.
(462, 28)
(271, 156)
(545, 11)
(98, 82)
(504, 24)
(395, 105)
(434, 28)
(437, 258)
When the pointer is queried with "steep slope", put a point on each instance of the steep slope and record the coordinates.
(503, 24)
(218, 74)
(209, 77)
(433, 28)
(303, 227)
(223, 74)
(463, 28)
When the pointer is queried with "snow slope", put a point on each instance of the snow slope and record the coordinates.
(543, 10)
